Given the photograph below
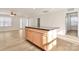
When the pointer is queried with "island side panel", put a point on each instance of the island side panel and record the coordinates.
(36, 36)
(42, 38)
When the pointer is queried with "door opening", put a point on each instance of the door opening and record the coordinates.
(72, 24)
(38, 22)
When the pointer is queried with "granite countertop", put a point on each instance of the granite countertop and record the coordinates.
(42, 28)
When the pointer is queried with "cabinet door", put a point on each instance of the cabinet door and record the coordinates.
(29, 35)
(37, 38)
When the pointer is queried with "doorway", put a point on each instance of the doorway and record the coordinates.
(38, 22)
(72, 24)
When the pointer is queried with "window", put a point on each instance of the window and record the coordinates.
(23, 22)
(5, 21)
(74, 20)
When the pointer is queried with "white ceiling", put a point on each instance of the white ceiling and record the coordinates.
(28, 11)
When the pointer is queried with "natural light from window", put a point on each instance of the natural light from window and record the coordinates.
(5, 21)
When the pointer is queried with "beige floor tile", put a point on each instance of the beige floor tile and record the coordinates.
(15, 41)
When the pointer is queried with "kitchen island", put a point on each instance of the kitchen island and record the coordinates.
(43, 37)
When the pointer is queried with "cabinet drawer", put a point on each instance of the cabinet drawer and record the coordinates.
(37, 38)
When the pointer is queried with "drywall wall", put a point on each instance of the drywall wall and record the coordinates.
(53, 19)
(15, 23)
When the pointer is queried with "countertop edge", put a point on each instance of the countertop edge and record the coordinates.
(40, 28)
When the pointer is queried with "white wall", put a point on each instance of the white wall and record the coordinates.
(54, 19)
(15, 23)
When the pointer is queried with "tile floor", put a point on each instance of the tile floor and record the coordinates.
(73, 33)
(15, 41)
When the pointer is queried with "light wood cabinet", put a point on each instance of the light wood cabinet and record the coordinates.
(39, 37)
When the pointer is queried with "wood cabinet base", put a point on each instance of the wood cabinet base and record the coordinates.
(41, 38)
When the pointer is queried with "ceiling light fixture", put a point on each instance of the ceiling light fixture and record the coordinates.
(12, 14)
